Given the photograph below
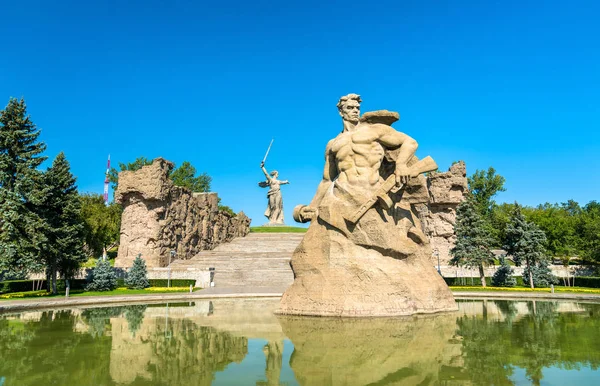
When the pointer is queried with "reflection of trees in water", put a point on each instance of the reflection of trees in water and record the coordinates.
(186, 353)
(98, 319)
(135, 316)
(542, 338)
(50, 351)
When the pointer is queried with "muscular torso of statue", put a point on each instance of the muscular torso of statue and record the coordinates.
(358, 156)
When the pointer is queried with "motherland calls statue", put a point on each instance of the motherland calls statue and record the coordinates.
(274, 211)
(365, 253)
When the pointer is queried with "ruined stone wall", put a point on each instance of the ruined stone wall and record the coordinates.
(159, 217)
(446, 191)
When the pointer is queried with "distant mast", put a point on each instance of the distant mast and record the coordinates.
(106, 181)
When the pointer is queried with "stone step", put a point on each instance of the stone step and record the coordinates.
(259, 260)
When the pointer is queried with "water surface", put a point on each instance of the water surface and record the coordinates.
(241, 342)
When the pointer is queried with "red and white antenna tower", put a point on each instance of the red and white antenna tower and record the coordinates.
(106, 181)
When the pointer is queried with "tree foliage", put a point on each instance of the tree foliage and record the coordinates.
(20, 225)
(60, 208)
(102, 223)
(503, 277)
(525, 242)
(483, 186)
(137, 277)
(185, 175)
(103, 277)
(473, 241)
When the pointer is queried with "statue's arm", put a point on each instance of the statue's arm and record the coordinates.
(265, 172)
(329, 174)
(284, 182)
(391, 138)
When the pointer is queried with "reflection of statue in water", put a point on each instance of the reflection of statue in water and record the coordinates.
(274, 211)
(373, 351)
(365, 253)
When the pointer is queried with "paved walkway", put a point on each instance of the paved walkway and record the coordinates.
(216, 293)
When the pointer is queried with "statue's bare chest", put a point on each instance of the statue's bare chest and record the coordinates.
(355, 141)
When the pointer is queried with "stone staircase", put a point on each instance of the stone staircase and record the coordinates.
(259, 260)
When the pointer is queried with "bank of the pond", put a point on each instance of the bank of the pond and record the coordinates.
(216, 293)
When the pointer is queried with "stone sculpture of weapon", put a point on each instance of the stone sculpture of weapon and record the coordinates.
(264, 184)
(427, 164)
(268, 149)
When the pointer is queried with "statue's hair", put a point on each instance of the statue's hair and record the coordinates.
(274, 172)
(346, 98)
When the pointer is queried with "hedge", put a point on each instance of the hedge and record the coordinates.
(589, 282)
(461, 281)
(27, 285)
(163, 282)
(79, 284)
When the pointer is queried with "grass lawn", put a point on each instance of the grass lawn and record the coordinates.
(79, 293)
(278, 230)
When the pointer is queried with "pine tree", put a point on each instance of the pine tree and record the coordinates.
(103, 277)
(60, 207)
(473, 241)
(503, 277)
(541, 274)
(21, 233)
(137, 275)
(525, 242)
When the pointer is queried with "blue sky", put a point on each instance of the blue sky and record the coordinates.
(509, 84)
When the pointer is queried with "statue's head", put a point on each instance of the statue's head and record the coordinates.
(274, 173)
(349, 107)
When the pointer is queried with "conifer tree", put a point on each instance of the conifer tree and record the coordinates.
(541, 274)
(60, 207)
(525, 242)
(503, 277)
(473, 241)
(137, 275)
(103, 277)
(20, 155)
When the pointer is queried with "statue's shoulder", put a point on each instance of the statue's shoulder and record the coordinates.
(384, 117)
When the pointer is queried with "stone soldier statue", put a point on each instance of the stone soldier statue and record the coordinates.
(274, 211)
(365, 253)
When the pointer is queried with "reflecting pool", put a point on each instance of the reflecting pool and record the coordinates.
(241, 342)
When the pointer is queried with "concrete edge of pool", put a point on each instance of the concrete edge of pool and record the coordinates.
(33, 304)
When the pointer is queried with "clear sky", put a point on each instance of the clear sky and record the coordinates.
(509, 84)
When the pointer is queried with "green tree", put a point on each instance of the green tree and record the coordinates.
(503, 277)
(185, 175)
(20, 156)
(102, 223)
(103, 277)
(541, 274)
(559, 224)
(472, 248)
(588, 232)
(113, 174)
(60, 208)
(137, 275)
(525, 242)
(484, 185)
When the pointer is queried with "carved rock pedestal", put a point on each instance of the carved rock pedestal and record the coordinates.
(335, 277)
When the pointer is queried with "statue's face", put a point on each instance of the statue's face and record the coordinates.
(350, 111)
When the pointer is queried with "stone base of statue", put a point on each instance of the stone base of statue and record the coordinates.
(335, 276)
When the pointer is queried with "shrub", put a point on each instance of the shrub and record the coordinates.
(137, 275)
(103, 277)
(503, 275)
